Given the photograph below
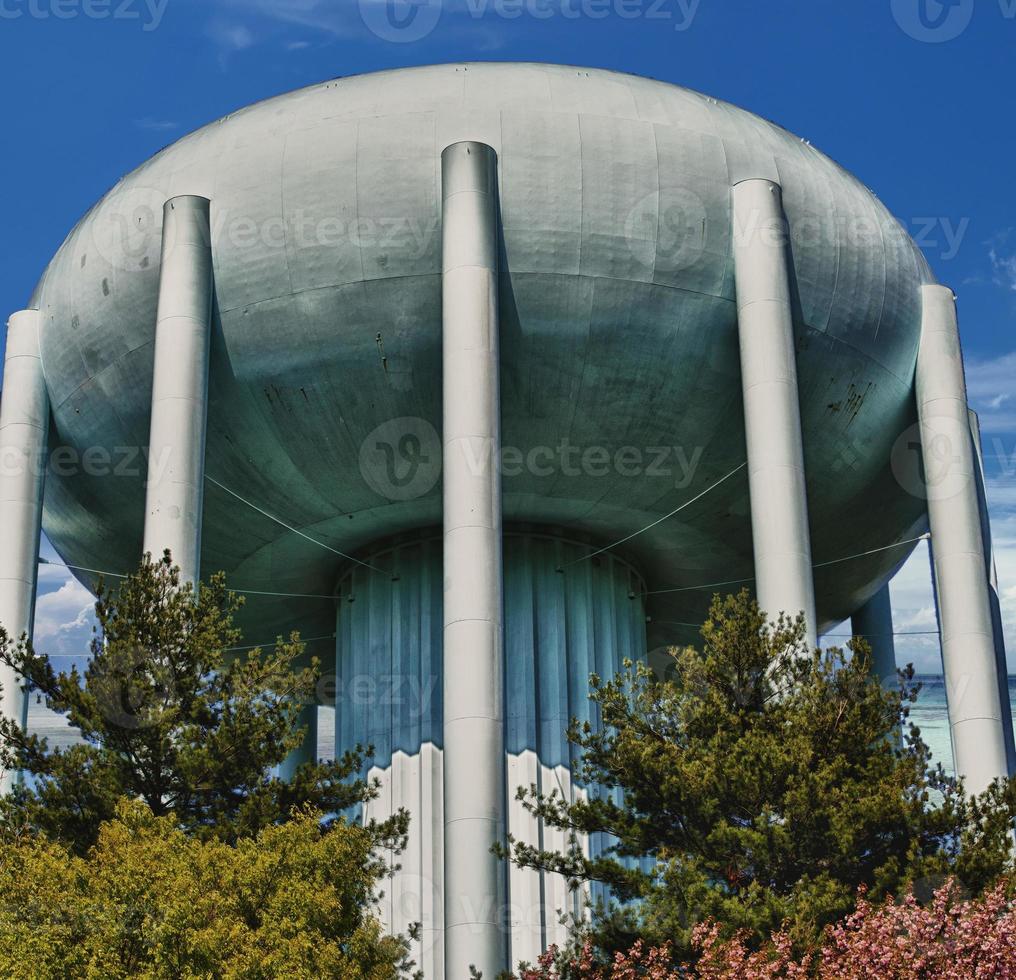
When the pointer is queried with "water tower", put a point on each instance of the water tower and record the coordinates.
(485, 377)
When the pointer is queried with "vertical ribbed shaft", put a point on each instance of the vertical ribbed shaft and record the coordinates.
(24, 425)
(772, 414)
(559, 628)
(968, 645)
(473, 633)
(307, 752)
(874, 623)
(176, 446)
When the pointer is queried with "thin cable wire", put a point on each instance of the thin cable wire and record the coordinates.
(825, 636)
(594, 554)
(874, 551)
(252, 646)
(284, 595)
(698, 588)
(259, 646)
(660, 520)
(281, 595)
(823, 564)
(289, 527)
(865, 636)
(79, 568)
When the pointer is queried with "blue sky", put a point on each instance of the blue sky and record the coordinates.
(913, 96)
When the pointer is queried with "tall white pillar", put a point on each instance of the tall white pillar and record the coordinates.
(873, 622)
(24, 426)
(772, 414)
(474, 766)
(976, 718)
(307, 720)
(176, 446)
(991, 570)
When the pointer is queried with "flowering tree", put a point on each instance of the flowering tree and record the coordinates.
(946, 939)
(641, 961)
(766, 783)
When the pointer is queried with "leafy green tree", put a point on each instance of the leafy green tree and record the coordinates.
(768, 782)
(149, 901)
(168, 715)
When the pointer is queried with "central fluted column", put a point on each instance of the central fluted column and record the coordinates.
(474, 806)
(176, 446)
(564, 619)
(772, 413)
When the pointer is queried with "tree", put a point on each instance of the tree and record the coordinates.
(169, 717)
(768, 782)
(946, 938)
(653, 963)
(149, 901)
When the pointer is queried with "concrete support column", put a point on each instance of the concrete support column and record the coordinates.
(874, 622)
(772, 415)
(474, 767)
(307, 752)
(976, 718)
(176, 461)
(990, 569)
(24, 426)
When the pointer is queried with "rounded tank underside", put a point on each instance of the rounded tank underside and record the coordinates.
(620, 372)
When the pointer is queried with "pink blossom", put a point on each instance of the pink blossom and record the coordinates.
(947, 939)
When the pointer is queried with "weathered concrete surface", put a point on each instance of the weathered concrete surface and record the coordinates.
(617, 324)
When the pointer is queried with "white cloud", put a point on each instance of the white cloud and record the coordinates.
(64, 619)
(474, 21)
(63, 609)
(335, 19)
(230, 37)
(990, 389)
(1002, 259)
(914, 616)
(911, 589)
(1004, 267)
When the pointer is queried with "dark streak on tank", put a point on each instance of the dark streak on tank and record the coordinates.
(855, 399)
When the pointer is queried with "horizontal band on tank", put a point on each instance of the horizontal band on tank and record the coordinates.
(374, 554)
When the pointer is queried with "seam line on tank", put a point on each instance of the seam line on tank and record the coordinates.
(108, 367)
